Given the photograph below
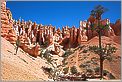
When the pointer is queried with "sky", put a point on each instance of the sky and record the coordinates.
(61, 13)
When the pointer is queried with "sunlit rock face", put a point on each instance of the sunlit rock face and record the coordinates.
(33, 51)
(116, 27)
(7, 24)
(106, 32)
(82, 32)
(73, 36)
(33, 35)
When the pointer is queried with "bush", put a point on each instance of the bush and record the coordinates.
(73, 70)
(94, 49)
(111, 76)
(95, 63)
(67, 53)
(88, 61)
(47, 70)
(41, 53)
(90, 70)
(85, 51)
(105, 71)
(65, 63)
(81, 46)
(97, 69)
(109, 59)
(65, 70)
(46, 43)
(47, 56)
(83, 65)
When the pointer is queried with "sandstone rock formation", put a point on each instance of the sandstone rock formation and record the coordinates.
(78, 57)
(32, 34)
(7, 23)
(107, 32)
(117, 27)
(33, 37)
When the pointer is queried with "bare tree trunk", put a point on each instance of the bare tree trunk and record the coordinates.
(101, 67)
(101, 59)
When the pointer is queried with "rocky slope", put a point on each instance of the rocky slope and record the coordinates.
(27, 64)
(21, 66)
(78, 57)
(117, 27)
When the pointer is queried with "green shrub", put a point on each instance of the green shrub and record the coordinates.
(111, 76)
(73, 70)
(83, 65)
(47, 56)
(47, 70)
(90, 70)
(81, 46)
(65, 70)
(46, 43)
(41, 53)
(85, 51)
(105, 71)
(88, 61)
(97, 69)
(65, 63)
(95, 63)
(67, 53)
(109, 59)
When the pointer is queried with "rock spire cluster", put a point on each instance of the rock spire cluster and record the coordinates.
(32, 36)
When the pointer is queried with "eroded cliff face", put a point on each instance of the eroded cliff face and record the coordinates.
(117, 27)
(106, 32)
(7, 24)
(79, 57)
(32, 35)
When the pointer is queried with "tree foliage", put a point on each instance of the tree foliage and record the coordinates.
(68, 52)
(98, 11)
(55, 70)
(106, 51)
